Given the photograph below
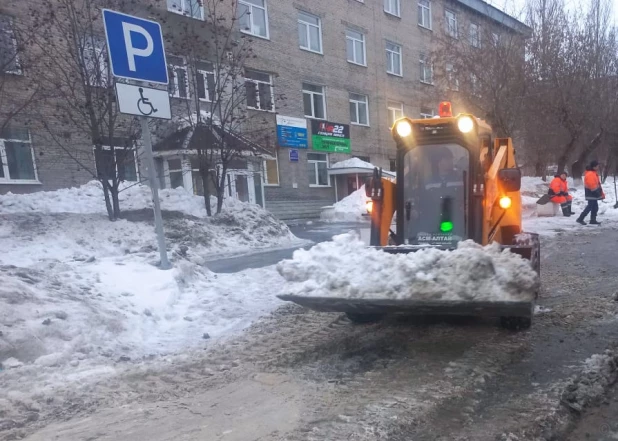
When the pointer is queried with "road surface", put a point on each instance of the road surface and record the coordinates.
(304, 376)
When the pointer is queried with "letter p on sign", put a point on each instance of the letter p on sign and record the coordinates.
(135, 47)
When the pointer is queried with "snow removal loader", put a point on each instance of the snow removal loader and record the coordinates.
(455, 181)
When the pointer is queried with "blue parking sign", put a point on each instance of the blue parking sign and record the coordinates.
(135, 47)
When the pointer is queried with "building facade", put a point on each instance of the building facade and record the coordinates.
(329, 77)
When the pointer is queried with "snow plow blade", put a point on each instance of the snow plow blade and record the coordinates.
(523, 309)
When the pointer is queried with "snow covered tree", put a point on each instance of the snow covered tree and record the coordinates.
(81, 115)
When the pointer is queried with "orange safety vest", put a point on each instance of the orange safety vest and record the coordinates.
(592, 182)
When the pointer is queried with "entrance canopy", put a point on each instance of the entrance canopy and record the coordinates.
(355, 166)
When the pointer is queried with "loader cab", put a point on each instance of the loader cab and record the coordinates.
(439, 180)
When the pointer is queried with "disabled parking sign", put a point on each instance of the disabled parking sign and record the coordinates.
(135, 47)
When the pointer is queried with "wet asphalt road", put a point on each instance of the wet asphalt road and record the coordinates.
(316, 232)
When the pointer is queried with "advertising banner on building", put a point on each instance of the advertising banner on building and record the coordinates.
(292, 132)
(330, 137)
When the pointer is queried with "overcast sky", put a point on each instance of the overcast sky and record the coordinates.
(515, 7)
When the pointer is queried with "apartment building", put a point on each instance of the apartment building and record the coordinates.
(346, 69)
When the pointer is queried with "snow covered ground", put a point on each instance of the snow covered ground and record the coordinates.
(79, 294)
(349, 209)
(346, 268)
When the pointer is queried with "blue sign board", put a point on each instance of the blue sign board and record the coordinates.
(135, 47)
(292, 132)
(293, 155)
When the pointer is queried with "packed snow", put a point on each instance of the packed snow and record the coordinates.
(353, 163)
(347, 268)
(349, 209)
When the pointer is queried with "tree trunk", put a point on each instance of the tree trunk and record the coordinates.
(564, 157)
(539, 169)
(115, 201)
(221, 188)
(204, 177)
(577, 168)
(108, 203)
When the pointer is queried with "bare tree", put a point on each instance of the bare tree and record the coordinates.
(216, 56)
(75, 73)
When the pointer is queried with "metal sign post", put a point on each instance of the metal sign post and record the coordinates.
(136, 52)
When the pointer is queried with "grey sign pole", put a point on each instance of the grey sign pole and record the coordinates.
(154, 186)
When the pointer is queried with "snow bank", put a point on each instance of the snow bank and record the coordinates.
(353, 163)
(349, 209)
(347, 268)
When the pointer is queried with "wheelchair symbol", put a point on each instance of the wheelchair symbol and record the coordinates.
(144, 103)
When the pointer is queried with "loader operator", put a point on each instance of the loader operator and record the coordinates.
(559, 193)
(445, 186)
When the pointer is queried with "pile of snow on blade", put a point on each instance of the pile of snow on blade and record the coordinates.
(349, 209)
(347, 268)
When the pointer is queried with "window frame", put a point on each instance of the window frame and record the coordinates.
(391, 110)
(316, 175)
(451, 76)
(390, 3)
(172, 72)
(477, 35)
(257, 83)
(265, 9)
(13, 38)
(354, 40)
(448, 22)
(307, 25)
(182, 9)
(421, 16)
(312, 93)
(205, 74)
(4, 162)
(424, 65)
(107, 147)
(265, 171)
(356, 105)
(392, 53)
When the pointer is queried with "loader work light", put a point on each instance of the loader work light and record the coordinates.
(465, 124)
(505, 202)
(403, 128)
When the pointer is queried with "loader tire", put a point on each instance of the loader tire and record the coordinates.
(363, 318)
(515, 323)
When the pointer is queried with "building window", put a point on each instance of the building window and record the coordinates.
(259, 89)
(427, 113)
(175, 172)
(253, 17)
(359, 109)
(9, 60)
(356, 47)
(451, 23)
(395, 111)
(96, 67)
(205, 81)
(310, 32)
(496, 38)
(392, 7)
(424, 13)
(318, 169)
(314, 101)
(475, 35)
(392, 165)
(178, 86)
(393, 58)
(118, 162)
(17, 157)
(190, 8)
(426, 73)
(474, 84)
(451, 77)
(270, 174)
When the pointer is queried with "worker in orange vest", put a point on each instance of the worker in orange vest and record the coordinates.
(559, 193)
(594, 193)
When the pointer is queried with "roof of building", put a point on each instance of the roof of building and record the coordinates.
(496, 15)
(354, 166)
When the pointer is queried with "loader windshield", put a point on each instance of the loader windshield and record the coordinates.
(435, 180)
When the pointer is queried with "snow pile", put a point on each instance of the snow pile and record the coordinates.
(239, 228)
(347, 268)
(353, 163)
(349, 209)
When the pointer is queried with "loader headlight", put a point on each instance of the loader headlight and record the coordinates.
(369, 206)
(465, 124)
(404, 128)
(505, 202)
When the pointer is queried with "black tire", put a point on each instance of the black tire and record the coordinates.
(515, 323)
(363, 318)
